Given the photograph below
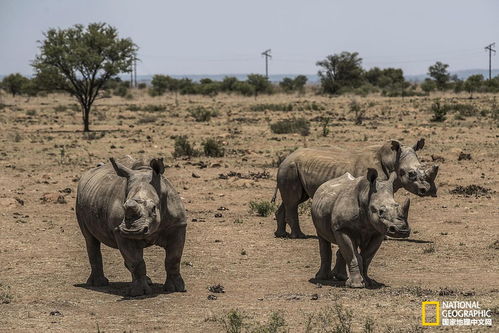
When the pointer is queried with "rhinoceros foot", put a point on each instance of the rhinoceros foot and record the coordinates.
(97, 281)
(339, 276)
(324, 275)
(281, 234)
(355, 281)
(296, 235)
(174, 284)
(139, 287)
(373, 284)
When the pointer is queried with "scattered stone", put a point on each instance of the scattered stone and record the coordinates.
(495, 245)
(464, 156)
(53, 197)
(318, 285)
(469, 293)
(9, 203)
(212, 297)
(314, 297)
(56, 313)
(217, 289)
(446, 292)
(218, 215)
(195, 175)
(437, 158)
(66, 190)
(222, 208)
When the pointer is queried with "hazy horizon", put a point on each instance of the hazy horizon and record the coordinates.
(227, 37)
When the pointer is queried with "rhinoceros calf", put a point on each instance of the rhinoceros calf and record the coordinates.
(303, 171)
(130, 206)
(356, 213)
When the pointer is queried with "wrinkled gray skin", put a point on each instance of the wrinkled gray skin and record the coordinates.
(303, 171)
(356, 214)
(130, 206)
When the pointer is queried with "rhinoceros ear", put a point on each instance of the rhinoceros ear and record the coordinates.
(395, 145)
(419, 145)
(372, 174)
(157, 165)
(120, 169)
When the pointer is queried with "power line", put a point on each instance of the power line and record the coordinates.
(267, 55)
(490, 49)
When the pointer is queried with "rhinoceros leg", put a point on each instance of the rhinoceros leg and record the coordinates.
(367, 253)
(324, 272)
(281, 222)
(292, 194)
(96, 278)
(352, 258)
(174, 248)
(134, 262)
(340, 267)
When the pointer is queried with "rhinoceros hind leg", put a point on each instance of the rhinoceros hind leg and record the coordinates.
(340, 267)
(281, 223)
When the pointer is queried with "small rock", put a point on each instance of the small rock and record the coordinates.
(212, 297)
(464, 156)
(222, 208)
(318, 285)
(195, 175)
(314, 297)
(217, 289)
(218, 215)
(56, 313)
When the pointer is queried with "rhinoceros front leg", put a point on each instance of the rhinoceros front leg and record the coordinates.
(134, 262)
(96, 278)
(367, 252)
(324, 272)
(174, 248)
(352, 258)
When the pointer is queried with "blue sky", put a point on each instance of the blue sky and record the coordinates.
(227, 36)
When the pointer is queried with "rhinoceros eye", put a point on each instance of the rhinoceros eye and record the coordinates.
(412, 175)
(381, 212)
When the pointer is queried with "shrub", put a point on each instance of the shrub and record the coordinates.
(325, 126)
(201, 113)
(439, 112)
(182, 147)
(60, 108)
(358, 111)
(294, 125)
(121, 91)
(147, 120)
(213, 148)
(142, 85)
(154, 108)
(262, 208)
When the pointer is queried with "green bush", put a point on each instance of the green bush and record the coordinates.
(358, 111)
(201, 113)
(182, 147)
(154, 108)
(213, 148)
(439, 112)
(293, 125)
(262, 208)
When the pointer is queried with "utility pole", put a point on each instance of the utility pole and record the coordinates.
(135, 69)
(267, 55)
(490, 48)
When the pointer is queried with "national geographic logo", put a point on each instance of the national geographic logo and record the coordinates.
(455, 313)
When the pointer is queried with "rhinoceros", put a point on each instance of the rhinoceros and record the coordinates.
(303, 171)
(356, 213)
(129, 205)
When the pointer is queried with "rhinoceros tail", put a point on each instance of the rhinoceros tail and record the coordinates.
(275, 194)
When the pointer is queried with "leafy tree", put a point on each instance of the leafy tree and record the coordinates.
(228, 83)
(299, 83)
(439, 73)
(340, 71)
(260, 83)
(387, 77)
(80, 60)
(15, 83)
(287, 84)
(473, 83)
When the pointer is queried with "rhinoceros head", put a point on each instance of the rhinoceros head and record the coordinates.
(142, 215)
(411, 174)
(384, 213)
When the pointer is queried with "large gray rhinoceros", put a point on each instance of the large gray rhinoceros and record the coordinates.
(356, 213)
(303, 171)
(131, 206)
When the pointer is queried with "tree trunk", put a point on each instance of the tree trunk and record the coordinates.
(86, 118)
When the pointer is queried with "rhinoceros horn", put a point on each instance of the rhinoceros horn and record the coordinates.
(405, 208)
(432, 172)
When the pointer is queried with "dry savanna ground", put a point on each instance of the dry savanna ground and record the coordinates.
(451, 255)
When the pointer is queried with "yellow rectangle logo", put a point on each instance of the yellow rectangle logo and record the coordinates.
(437, 313)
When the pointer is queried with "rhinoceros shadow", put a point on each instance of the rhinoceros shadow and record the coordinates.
(409, 240)
(341, 284)
(121, 288)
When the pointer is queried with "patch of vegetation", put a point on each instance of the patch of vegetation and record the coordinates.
(293, 125)
(336, 319)
(182, 147)
(154, 108)
(470, 190)
(93, 135)
(262, 208)
(305, 106)
(60, 108)
(237, 322)
(147, 120)
(429, 249)
(358, 111)
(213, 148)
(439, 112)
(325, 126)
(201, 113)
(31, 113)
(5, 295)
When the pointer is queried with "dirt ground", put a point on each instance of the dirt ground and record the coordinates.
(451, 255)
